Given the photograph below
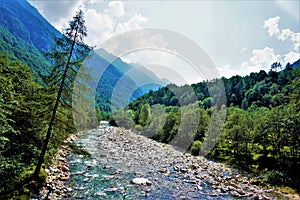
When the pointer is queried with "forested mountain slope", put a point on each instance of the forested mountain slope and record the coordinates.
(257, 89)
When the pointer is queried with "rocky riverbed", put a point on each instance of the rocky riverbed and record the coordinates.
(126, 165)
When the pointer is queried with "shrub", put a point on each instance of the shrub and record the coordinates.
(195, 148)
(275, 177)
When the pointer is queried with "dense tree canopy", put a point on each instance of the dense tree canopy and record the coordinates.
(23, 105)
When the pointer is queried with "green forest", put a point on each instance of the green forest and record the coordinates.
(261, 130)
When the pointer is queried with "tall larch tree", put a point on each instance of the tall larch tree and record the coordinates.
(67, 55)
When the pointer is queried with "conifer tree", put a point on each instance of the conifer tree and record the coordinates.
(67, 55)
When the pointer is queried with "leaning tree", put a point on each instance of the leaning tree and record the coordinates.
(67, 56)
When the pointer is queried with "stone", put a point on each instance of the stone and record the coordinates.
(103, 155)
(177, 181)
(111, 189)
(148, 190)
(138, 173)
(65, 168)
(141, 181)
(184, 170)
(163, 170)
(61, 159)
(223, 189)
(86, 180)
(235, 194)
(58, 192)
(194, 166)
(64, 178)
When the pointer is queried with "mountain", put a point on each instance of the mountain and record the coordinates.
(25, 35)
(25, 22)
(296, 64)
(138, 73)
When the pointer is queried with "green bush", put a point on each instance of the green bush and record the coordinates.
(195, 148)
(275, 177)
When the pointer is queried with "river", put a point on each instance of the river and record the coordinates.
(119, 155)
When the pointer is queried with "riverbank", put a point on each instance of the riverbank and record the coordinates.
(58, 175)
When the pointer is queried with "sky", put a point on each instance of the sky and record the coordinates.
(239, 37)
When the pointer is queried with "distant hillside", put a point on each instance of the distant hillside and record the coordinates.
(257, 89)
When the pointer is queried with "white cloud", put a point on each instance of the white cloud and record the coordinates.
(282, 34)
(106, 24)
(115, 8)
(100, 26)
(227, 71)
(166, 65)
(134, 22)
(285, 34)
(291, 57)
(263, 57)
(296, 39)
(272, 25)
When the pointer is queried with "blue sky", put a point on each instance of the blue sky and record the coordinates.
(239, 36)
